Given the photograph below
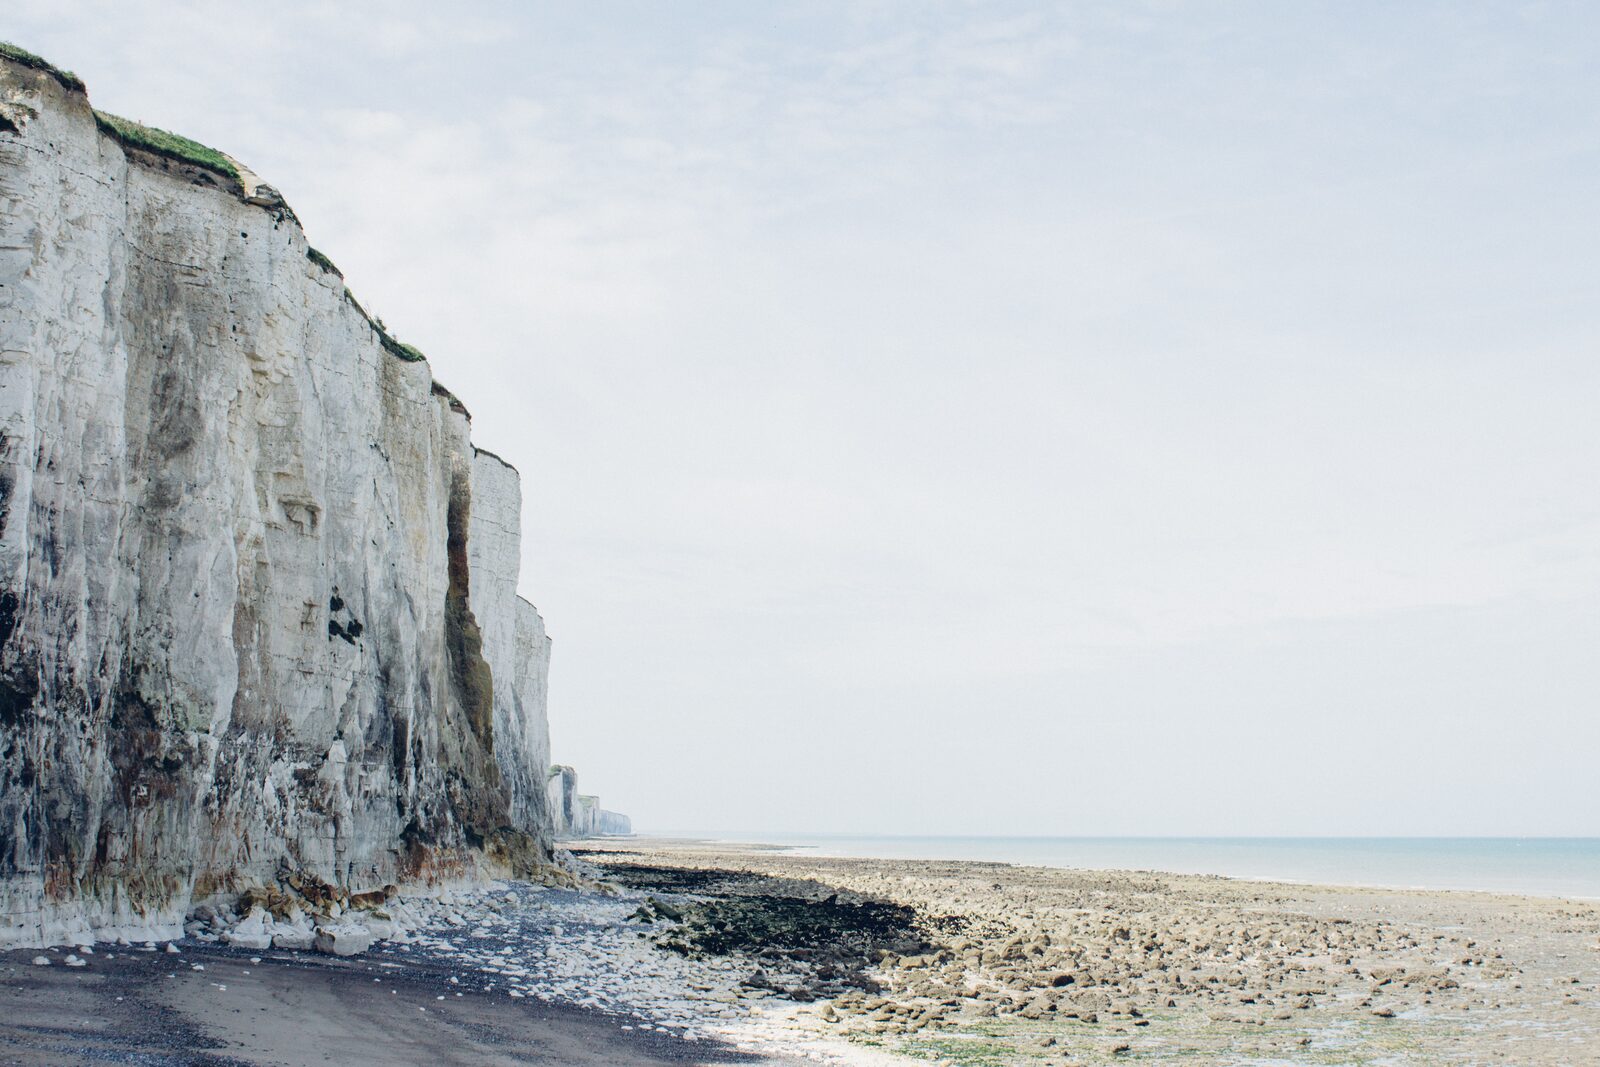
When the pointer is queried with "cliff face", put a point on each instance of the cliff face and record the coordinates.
(575, 814)
(258, 591)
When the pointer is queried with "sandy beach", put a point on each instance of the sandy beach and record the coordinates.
(219, 1006)
(690, 953)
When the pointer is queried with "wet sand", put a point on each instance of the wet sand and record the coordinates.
(130, 1006)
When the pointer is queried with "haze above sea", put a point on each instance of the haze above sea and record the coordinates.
(1535, 866)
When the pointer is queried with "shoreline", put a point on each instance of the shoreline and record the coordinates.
(699, 953)
(822, 851)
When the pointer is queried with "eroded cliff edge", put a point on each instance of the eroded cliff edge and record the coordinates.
(258, 590)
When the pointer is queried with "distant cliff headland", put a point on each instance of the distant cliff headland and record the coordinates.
(259, 614)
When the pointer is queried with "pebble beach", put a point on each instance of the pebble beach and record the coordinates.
(662, 951)
(1003, 964)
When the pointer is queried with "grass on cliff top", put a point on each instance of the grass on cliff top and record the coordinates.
(126, 131)
(396, 348)
(67, 79)
(162, 143)
(322, 261)
(401, 350)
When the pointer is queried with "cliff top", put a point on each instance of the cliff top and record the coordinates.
(146, 141)
(67, 79)
(164, 143)
(127, 132)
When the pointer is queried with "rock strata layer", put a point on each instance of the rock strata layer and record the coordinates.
(258, 589)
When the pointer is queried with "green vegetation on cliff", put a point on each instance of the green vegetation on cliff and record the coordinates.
(401, 350)
(163, 143)
(322, 261)
(127, 132)
(396, 348)
(67, 79)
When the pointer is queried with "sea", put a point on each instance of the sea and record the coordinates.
(1532, 866)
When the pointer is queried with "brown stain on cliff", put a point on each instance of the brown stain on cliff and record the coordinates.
(469, 671)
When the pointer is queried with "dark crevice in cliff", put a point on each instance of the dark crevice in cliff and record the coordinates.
(148, 757)
(19, 690)
(473, 784)
(7, 481)
(350, 630)
(473, 681)
(19, 681)
(10, 606)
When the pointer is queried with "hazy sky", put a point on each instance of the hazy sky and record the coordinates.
(987, 418)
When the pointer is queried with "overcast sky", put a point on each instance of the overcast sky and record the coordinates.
(986, 418)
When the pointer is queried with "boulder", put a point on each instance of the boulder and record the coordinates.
(251, 932)
(294, 937)
(349, 940)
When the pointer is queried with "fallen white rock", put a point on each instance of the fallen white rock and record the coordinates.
(251, 932)
(294, 938)
(343, 940)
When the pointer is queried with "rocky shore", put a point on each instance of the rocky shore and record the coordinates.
(647, 951)
(981, 963)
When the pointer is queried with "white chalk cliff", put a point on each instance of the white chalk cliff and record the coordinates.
(258, 590)
(575, 814)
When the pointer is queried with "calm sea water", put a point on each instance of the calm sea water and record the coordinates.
(1536, 866)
